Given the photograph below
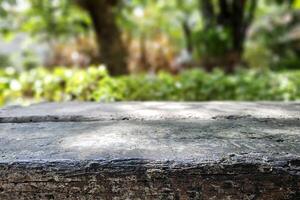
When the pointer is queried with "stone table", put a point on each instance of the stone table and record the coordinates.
(150, 150)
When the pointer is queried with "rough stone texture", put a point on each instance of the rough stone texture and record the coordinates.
(217, 150)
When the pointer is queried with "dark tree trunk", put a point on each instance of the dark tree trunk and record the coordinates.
(235, 16)
(187, 30)
(238, 25)
(111, 48)
(143, 63)
(188, 36)
(207, 11)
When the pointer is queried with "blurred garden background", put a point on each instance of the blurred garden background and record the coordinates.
(138, 50)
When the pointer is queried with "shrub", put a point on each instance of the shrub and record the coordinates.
(94, 84)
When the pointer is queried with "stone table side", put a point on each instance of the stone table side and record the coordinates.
(150, 150)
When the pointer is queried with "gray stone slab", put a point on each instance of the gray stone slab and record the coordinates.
(78, 111)
(151, 150)
(158, 140)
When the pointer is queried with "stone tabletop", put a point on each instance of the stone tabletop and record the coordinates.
(151, 150)
(209, 132)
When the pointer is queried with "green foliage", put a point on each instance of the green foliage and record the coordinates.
(94, 84)
(4, 61)
(43, 19)
(148, 19)
(54, 19)
(149, 26)
(215, 41)
(274, 39)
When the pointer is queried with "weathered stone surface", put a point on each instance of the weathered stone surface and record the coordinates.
(217, 150)
(77, 111)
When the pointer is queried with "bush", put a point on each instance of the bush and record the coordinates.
(94, 84)
(274, 41)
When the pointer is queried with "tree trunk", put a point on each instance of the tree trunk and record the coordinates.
(188, 36)
(111, 48)
(207, 12)
(235, 16)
